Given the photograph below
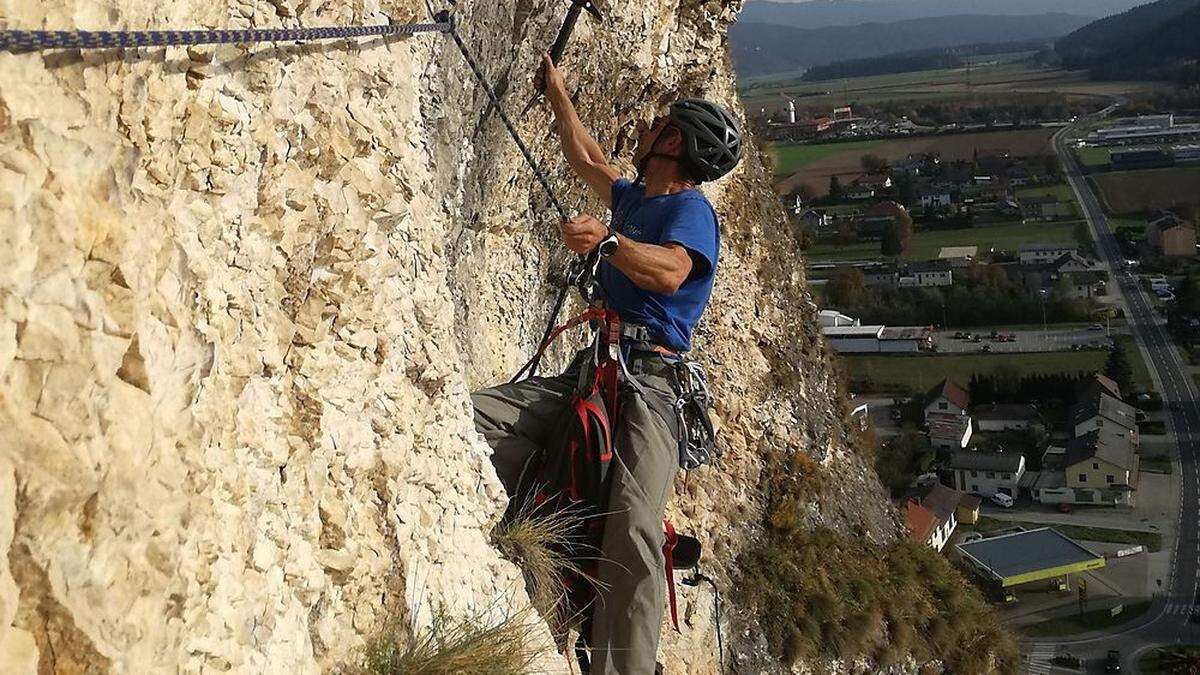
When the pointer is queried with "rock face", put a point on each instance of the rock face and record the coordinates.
(245, 292)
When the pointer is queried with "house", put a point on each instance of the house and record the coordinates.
(816, 219)
(968, 508)
(1073, 262)
(987, 473)
(947, 398)
(1045, 253)
(927, 274)
(1171, 236)
(867, 186)
(832, 318)
(1102, 467)
(878, 339)
(881, 275)
(1085, 285)
(931, 518)
(1102, 412)
(1040, 208)
(1006, 417)
(948, 431)
(1096, 385)
(935, 197)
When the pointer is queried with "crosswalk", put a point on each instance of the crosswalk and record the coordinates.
(1178, 608)
(1038, 662)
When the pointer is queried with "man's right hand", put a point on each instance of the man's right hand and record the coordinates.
(550, 79)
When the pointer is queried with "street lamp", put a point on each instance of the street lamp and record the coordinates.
(1042, 302)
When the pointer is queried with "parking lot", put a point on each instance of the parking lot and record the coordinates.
(1052, 340)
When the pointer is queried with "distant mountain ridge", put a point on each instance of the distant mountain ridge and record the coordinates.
(917, 60)
(760, 49)
(823, 13)
(1131, 43)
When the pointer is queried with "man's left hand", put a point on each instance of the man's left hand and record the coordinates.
(582, 233)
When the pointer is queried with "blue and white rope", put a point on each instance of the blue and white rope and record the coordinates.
(36, 40)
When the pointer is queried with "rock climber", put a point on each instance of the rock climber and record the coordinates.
(658, 260)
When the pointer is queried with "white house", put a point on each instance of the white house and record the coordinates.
(931, 519)
(1045, 253)
(946, 398)
(987, 473)
(1102, 412)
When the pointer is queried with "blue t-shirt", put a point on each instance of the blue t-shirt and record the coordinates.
(685, 218)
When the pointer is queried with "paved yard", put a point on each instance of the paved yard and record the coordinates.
(1052, 340)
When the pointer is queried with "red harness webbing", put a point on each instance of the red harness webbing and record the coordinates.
(668, 549)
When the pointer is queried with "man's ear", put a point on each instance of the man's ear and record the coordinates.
(672, 141)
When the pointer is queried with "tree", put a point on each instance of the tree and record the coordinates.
(906, 192)
(872, 163)
(1118, 370)
(899, 234)
(847, 287)
(835, 188)
(806, 193)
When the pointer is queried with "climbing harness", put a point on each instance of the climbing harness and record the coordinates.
(37, 40)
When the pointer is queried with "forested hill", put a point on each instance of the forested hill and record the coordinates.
(822, 13)
(1158, 40)
(763, 48)
(919, 60)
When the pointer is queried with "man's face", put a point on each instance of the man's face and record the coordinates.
(648, 132)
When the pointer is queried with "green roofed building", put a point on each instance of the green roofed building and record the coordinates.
(1025, 557)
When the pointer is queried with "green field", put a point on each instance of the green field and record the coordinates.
(905, 374)
(1093, 157)
(927, 244)
(1088, 621)
(789, 158)
(1063, 191)
(1151, 540)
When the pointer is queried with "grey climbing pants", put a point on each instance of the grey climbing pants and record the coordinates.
(516, 420)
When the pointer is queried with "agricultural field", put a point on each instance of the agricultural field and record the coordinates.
(1000, 74)
(1093, 157)
(1138, 191)
(926, 244)
(915, 373)
(911, 375)
(814, 164)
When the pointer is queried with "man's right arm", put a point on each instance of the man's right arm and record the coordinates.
(582, 151)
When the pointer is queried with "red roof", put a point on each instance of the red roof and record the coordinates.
(951, 392)
(920, 520)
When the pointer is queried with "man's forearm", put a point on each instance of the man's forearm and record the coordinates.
(580, 149)
(659, 269)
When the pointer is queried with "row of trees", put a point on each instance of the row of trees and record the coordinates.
(982, 295)
(1007, 384)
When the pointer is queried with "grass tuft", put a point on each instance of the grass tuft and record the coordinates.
(512, 645)
(535, 542)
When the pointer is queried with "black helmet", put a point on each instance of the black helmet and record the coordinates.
(712, 140)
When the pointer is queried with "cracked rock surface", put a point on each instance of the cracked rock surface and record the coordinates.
(245, 292)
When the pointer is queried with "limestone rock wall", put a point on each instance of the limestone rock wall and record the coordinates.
(244, 293)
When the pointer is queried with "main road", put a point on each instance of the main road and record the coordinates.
(1167, 621)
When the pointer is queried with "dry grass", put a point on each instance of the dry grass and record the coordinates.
(456, 645)
(536, 541)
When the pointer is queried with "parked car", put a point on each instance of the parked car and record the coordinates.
(1001, 499)
(1096, 326)
(986, 348)
(1064, 507)
(1112, 662)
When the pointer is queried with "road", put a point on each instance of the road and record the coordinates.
(1167, 620)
